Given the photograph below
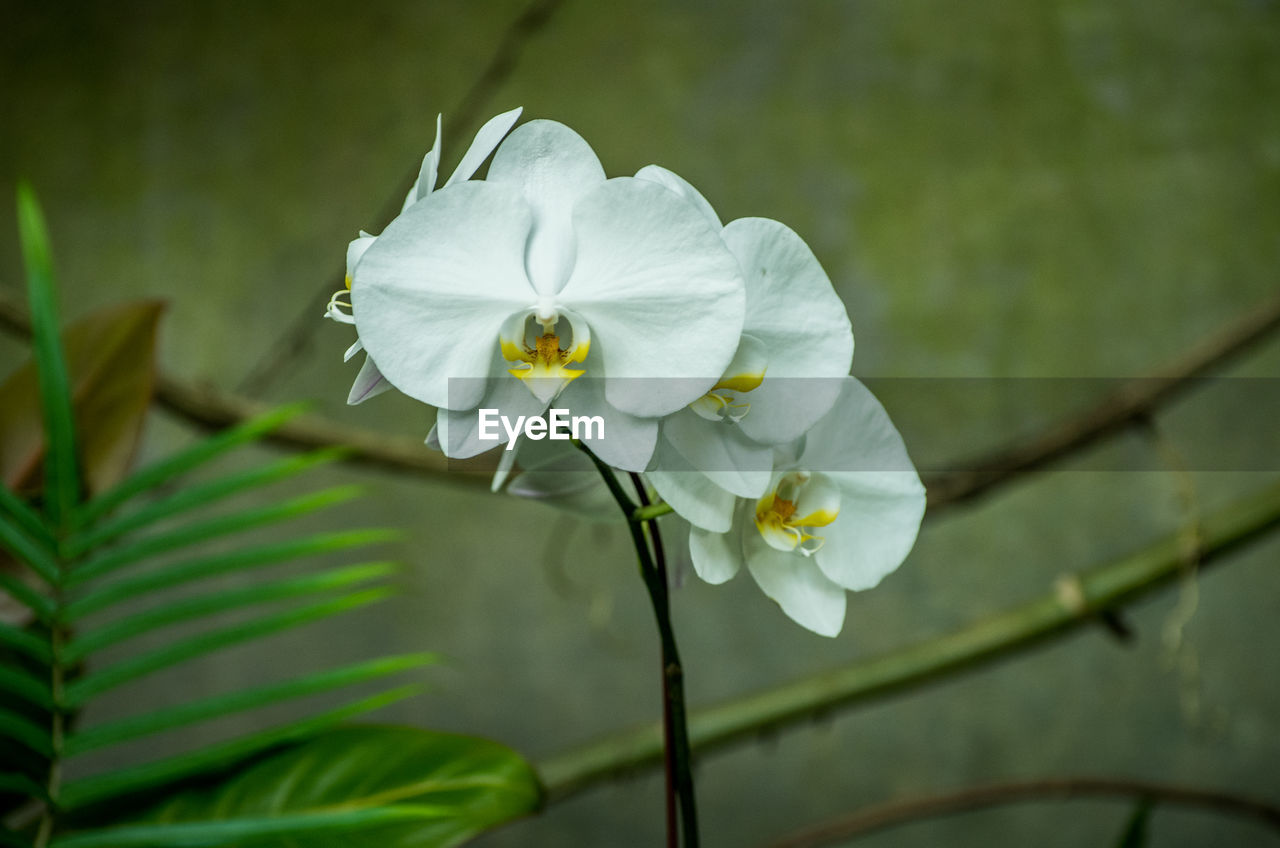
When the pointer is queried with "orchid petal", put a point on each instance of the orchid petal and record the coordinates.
(355, 250)
(682, 187)
(717, 557)
(626, 441)
(881, 498)
(694, 497)
(369, 383)
(433, 291)
(797, 585)
(554, 168)
(721, 452)
(482, 145)
(654, 279)
(794, 311)
(459, 430)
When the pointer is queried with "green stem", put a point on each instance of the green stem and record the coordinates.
(675, 748)
(1074, 604)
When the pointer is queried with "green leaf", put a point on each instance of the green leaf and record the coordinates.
(233, 702)
(62, 484)
(184, 461)
(187, 609)
(197, 496)
(25, 685)
(23, 515)
(127, 781)
(210, 529)
(26, 732)
(42, 606)
(27, 551)
(96, 682)
(184, 572)
(12, 781)
(25, 642)
(382, 787)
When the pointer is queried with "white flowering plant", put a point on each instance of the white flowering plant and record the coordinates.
(707, 362)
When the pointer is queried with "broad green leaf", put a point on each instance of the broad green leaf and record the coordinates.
(188, 609)
(186, 460)
(178, 573)
(221, 705)
(62, 485)
(212, 528)
(380, 787)
(26, 732)
(133, 779)
(197, 496)
(25, 685)
(25, 642)
(96, 682)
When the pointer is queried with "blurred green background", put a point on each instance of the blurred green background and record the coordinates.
(1048, 188)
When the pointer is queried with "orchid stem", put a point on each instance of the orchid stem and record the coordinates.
(675, 727)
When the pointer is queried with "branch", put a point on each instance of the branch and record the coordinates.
(1130, 403)
(295, 341)
(996, 637)
(894, 813)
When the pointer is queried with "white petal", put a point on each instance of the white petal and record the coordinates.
(793, 309)
(716, 556)
(432, 292)
(369, 383)
(880, 514)
(882, 499)
(694, 497)
(459, 430)
(427, 175)
(721, 452)
(352, 351)
(553, 167)
(661, 293)
(569, 482)
(355, 250)
(483, 144)
(627, 441)
(682, 187)
(796, 583)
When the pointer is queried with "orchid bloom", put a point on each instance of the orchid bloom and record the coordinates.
(840, 512)
(796, 344)
(370, 382)
(548, 281)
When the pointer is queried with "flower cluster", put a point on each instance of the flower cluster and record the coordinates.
(716, 357)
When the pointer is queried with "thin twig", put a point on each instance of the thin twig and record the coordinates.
(292, 344)
(999, 636)
(894, 813)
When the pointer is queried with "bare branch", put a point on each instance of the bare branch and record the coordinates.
(894, 813)
(1130, 403)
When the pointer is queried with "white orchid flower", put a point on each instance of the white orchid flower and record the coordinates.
(370, 382)
(796, 345)
(841, 511)
(504, 293)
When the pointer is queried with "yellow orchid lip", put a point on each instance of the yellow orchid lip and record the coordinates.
(813, 497)
(543, 364)
(744, 374)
